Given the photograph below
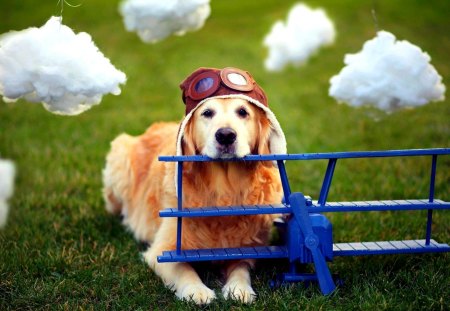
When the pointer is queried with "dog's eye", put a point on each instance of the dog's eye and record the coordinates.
(242, 112)
(207, 113)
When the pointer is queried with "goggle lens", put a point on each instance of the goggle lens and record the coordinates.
(237, 79)
(204, 85)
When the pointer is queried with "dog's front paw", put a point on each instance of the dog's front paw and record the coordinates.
(239, 291)
(198, 293)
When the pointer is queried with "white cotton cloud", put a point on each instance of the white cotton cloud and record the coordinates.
(7, 172)
(294, 41)
(155, 20)
(388, 74)
(53, 65)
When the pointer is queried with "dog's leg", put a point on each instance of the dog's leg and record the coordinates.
(238, 285)
(180, 277)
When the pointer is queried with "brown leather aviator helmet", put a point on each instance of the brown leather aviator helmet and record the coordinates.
(204, 83)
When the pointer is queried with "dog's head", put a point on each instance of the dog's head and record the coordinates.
(227, 128)
(227, 116)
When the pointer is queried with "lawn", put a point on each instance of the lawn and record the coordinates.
(61, 250)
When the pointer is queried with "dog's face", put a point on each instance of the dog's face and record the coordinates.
(227, 128)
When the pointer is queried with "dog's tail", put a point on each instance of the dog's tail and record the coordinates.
(118, 174)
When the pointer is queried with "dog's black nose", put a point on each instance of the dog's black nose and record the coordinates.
(225, 136)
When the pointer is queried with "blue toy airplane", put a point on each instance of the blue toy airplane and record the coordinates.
(308, 234)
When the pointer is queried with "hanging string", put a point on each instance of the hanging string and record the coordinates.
(62, 2)
(374, 15)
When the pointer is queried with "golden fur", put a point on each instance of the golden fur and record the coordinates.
(138, 186)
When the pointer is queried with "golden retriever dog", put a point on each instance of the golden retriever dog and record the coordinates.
(138, 186)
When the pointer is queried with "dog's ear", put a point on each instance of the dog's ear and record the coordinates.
(263, 133)
(187, 142)
(263, 137)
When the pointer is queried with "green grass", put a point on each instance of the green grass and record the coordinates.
(61, 250)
